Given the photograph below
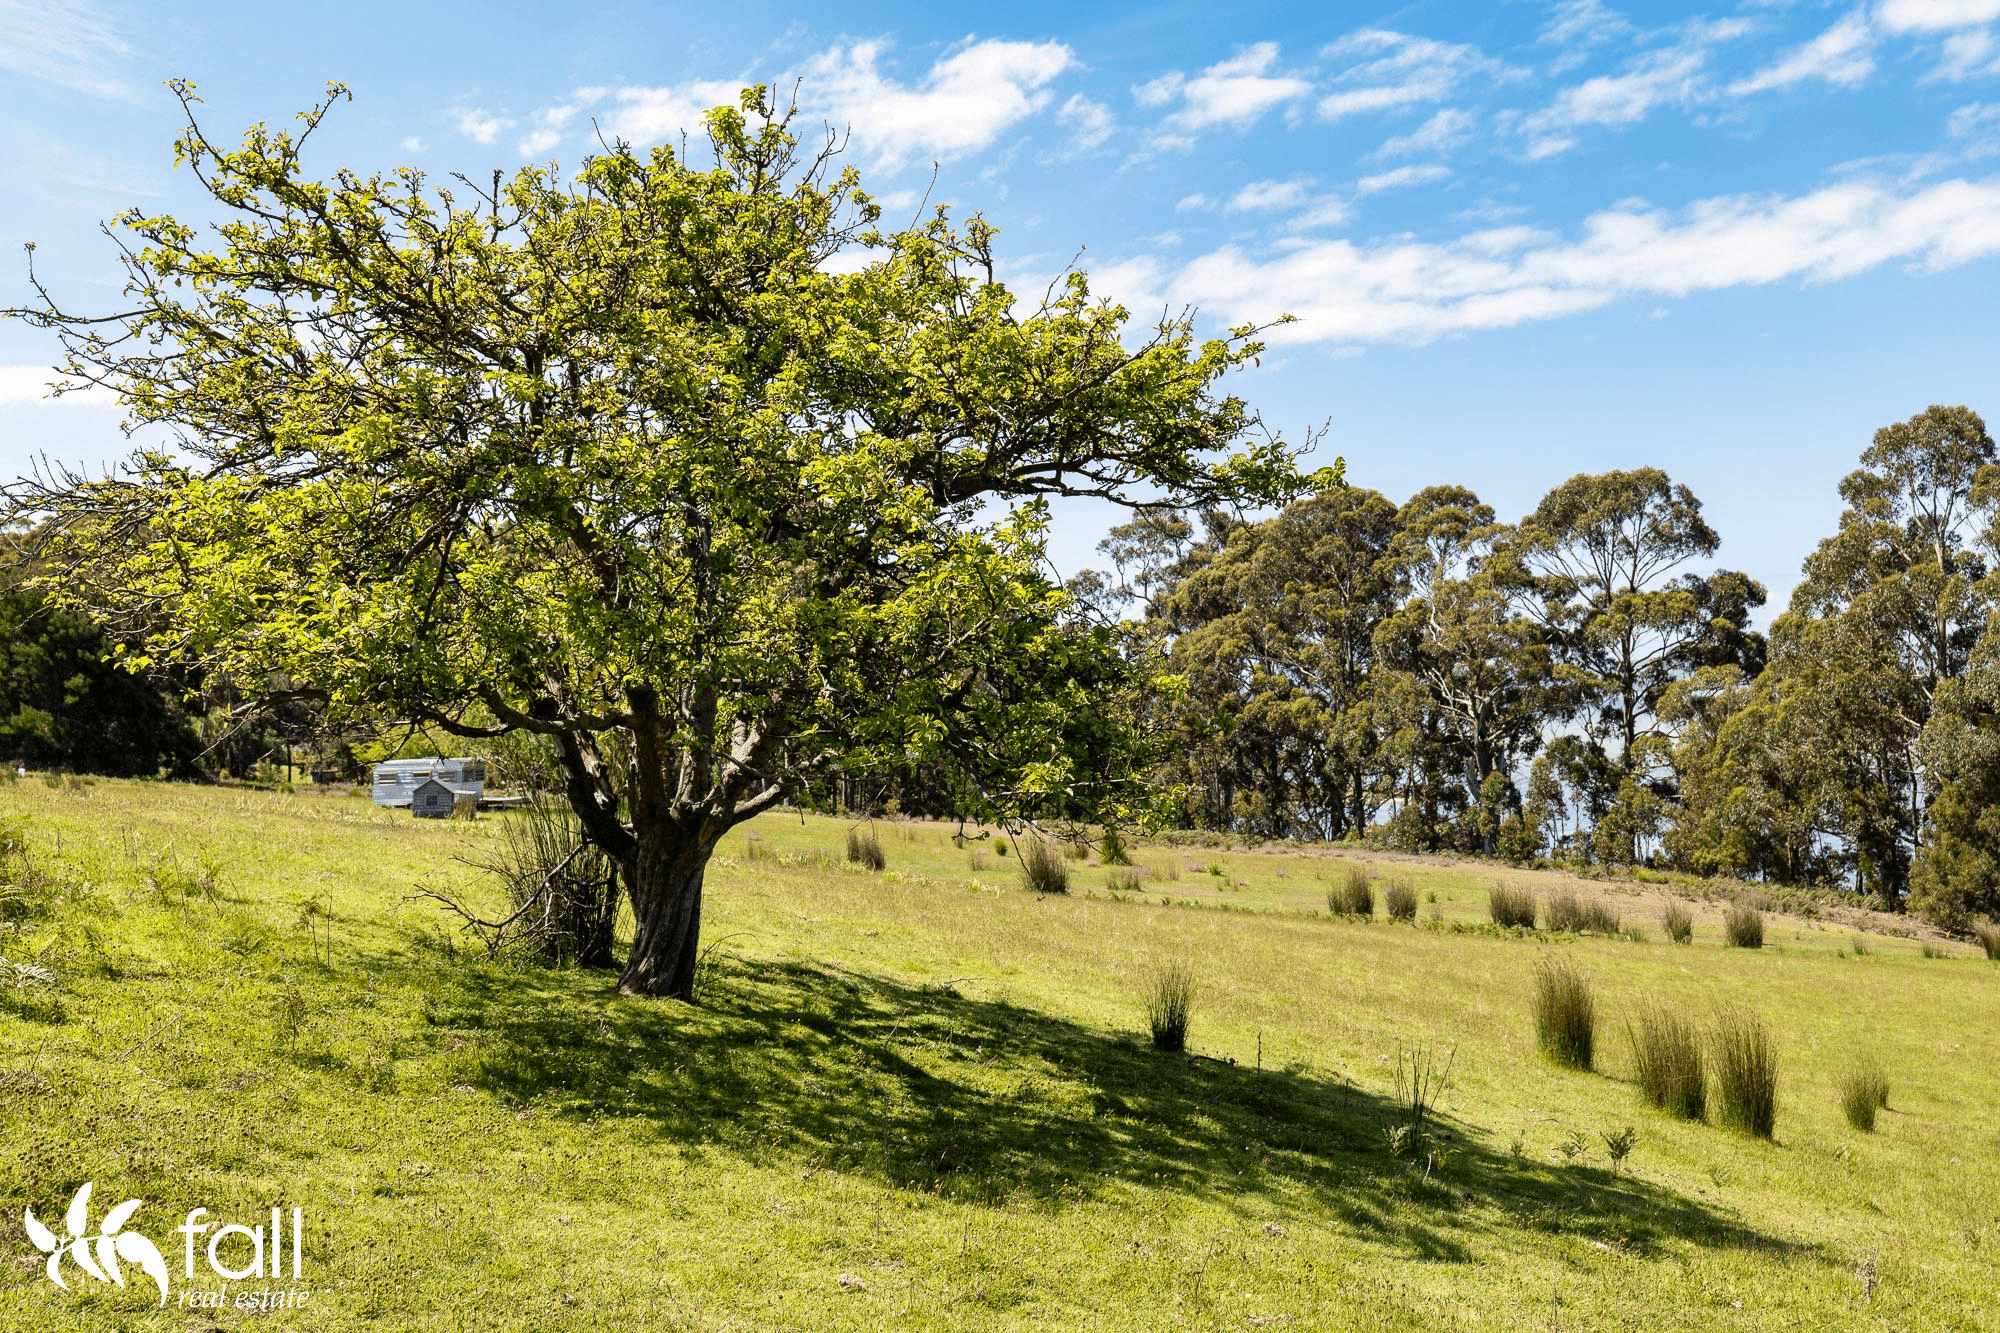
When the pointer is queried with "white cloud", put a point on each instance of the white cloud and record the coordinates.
(1839, 56)
(1979, 118)
(1234, 92)
(1669, 75)
(30, 384)
(1192, 201)
(550, 121)
(647, 116)
(1579, 25)
(1977, 129)
(1090, 121)
(1295, 196)
(1270, 194)
(1447, 129)
(481, 126)
(1935, 15)
(966, 101)
(1413, 292)
(1324, 211)
(1402, 177)
(413, 144)
(71, 45)
(1387, 70)
(1968, 55)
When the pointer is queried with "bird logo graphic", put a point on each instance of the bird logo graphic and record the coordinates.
(97, 1254)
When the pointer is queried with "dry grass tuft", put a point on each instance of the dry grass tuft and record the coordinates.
(1743, 927)
(1399, 899)
(1566, 911)
(1125, 881)
(865, 849)
(1353, 894)
(1678, 922)
(1988, 936)
(1043, 866)
(1510, 905)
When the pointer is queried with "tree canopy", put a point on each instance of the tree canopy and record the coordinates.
(691, 467)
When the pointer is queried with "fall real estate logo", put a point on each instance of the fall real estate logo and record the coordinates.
(100, 1253)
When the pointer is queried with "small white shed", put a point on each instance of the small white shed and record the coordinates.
(431, 799)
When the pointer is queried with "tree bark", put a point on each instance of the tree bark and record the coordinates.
(664, 878)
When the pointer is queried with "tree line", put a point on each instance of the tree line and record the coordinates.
(1585, 684)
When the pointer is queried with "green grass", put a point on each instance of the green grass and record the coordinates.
(939, 1085)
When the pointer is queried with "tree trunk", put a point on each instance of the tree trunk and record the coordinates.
(664, 878)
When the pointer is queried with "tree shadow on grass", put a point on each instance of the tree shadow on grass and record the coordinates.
(983, 1101)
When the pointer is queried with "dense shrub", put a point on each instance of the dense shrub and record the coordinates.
(1565, 1013)
(1511, 906)
(1746, 1072)
(1666, 1049)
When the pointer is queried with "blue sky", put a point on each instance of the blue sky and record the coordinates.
(1522, 239)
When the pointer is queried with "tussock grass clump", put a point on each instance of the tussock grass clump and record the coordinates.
(1170, 1003)
(979, 861)
(865, 849)
(1746, 1072)
(1568, 912)
(1930, 950)
(1743, 927)
(1399, 899)
(1565, 1013)
(1353, 894)
(1666, 1048)
(1511, 906)
(1988, 936)
(1863, 1092)
(1678, 922)
(1124, 881)
(1043, 866)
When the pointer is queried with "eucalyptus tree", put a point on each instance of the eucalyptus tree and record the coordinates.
(1481, 668)
(1906, 578)
(1271, 627)
(642, 461)
(1609, 556)
(1957, 872)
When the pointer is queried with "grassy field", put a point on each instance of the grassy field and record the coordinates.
(926, 1097)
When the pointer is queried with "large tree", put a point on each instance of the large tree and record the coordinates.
(1272, 628)
(688, 467)
(1480, 670)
